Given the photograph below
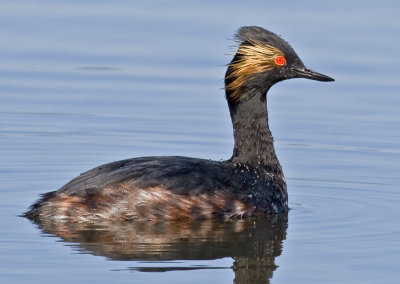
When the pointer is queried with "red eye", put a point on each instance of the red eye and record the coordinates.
(280, 60)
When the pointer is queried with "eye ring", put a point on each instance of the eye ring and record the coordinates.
(280, 60)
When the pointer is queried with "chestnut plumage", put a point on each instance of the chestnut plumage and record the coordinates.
(250, 183)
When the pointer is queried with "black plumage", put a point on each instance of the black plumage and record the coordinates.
(250, 183)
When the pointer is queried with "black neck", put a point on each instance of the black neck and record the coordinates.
(254, 144)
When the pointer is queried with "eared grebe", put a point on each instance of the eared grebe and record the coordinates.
(250, 183)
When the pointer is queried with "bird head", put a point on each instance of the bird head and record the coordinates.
(261, 60)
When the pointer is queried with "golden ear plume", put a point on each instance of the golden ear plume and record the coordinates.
(254, 57)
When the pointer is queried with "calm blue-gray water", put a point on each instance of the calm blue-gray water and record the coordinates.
(83, 83)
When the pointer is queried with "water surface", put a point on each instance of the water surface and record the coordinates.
(82, 84)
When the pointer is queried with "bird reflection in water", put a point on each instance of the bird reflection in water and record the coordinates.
(252, 243)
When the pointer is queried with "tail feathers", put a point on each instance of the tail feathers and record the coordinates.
(34, 210)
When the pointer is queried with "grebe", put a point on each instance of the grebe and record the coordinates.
(250, 183)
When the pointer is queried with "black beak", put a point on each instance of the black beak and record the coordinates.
(303, 72)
